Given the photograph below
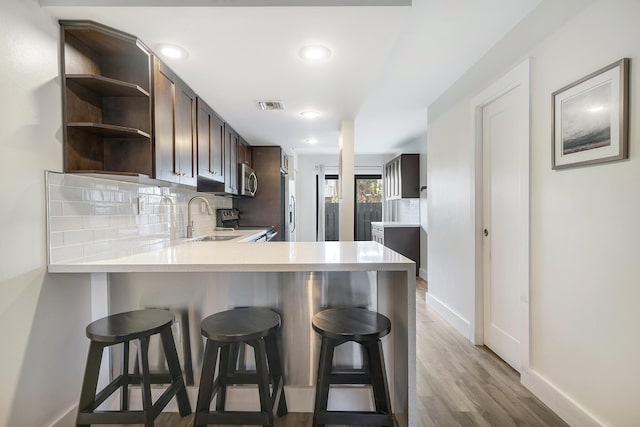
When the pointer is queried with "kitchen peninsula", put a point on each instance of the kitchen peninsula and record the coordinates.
(296, 279)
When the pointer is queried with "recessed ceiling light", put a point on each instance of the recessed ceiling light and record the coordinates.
(172, 51)
(311, 141)
(310, 114)
(314, 53)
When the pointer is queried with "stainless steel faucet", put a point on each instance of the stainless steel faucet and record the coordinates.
(189, 220)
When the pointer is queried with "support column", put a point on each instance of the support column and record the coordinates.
(347, 184)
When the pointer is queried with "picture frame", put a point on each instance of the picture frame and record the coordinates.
(591, 118)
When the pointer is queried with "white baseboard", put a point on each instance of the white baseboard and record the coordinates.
(454, 319)
(422, 273)
(566, 408)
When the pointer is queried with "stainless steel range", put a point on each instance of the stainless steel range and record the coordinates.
(230, 219)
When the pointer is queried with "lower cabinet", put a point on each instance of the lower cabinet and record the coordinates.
(402, 239)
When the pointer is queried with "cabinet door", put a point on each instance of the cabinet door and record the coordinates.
(210, 143)
(175, 131)
(404, 240)
(244, 152)
(185, 141)
(164, 85)
(231, 160)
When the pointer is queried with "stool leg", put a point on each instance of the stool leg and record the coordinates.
(205, 391)
(186, 347)
(90, 381)
(379, 378)
(145, 385)
(275, 369)
(263, 379)
(124, 392)
(324, 374)
(169, 346)
(223, 374)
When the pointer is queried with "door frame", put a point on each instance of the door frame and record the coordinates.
(519, 76)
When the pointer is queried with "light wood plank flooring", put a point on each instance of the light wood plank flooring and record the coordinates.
(459, 384)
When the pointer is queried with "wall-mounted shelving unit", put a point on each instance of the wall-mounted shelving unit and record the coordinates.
(106, 100)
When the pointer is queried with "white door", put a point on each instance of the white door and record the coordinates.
(502, 121)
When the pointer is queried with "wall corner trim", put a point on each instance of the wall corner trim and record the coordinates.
(568, 409)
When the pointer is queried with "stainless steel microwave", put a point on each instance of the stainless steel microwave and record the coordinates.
(248, 181)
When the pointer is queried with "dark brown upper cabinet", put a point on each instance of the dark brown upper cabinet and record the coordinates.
(244, 152)
(210, 144)
(402, 177)
(232, 139)
(127, 113)
(106, 96)
(175, 127)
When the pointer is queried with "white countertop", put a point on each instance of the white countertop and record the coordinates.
(394, 224)
(234, 256)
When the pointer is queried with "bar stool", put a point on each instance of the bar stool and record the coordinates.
(136, 326)
(337, 326)
(225, 331)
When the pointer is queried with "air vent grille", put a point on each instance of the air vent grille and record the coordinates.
(271, 105)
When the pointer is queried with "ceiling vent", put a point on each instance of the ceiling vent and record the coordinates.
(271, 105)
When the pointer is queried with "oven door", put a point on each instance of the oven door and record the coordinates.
(248, 181)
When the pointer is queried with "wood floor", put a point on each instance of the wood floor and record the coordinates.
(459, 384)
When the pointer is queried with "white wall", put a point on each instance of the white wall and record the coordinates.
(306, 184)
(584, 221)
(43, 316)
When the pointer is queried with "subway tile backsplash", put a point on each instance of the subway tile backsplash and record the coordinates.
(409, 211)
(93, 218)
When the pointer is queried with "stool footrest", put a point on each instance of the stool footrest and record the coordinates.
(353, 417)
(350, 378)
(160, 378)
(242, 378)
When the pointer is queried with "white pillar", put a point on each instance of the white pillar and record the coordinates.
(346, 175)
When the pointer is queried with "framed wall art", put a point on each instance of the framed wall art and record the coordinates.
(591, 118)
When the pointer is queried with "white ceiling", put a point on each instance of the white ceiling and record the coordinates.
(387, 64)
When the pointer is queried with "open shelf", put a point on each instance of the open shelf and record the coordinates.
(106, 86)
(109, 130)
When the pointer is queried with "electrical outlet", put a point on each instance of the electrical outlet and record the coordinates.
(141, 205)
(203, 208)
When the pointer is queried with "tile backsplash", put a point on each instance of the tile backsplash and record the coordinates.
(409, 211)
(403, 210)
(93, 218)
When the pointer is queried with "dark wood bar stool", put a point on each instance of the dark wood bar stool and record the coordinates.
(337, 326)
(136, 326)
(225, 331)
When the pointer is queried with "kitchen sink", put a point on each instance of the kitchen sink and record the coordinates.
(215, 238)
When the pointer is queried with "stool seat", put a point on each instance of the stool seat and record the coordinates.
(129, 326)
(240, 325)
(351, 324)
